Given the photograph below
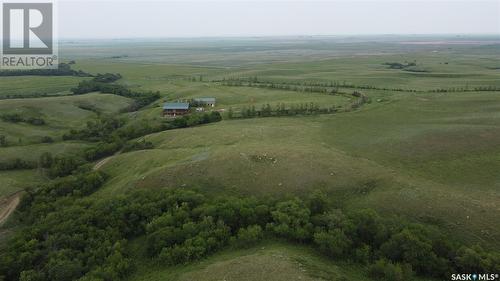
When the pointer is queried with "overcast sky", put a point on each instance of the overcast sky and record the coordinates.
(129, 19)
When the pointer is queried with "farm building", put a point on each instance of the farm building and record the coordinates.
(173, 109)
(204, 102)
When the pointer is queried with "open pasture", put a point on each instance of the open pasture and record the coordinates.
(18, 86)
(59, 113)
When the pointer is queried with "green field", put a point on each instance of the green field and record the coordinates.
(31, 85)
(60, 114)
(427, 156)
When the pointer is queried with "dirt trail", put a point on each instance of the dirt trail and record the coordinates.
(101, 163)
(8, 205)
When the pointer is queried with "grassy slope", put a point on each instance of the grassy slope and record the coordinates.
(20, 85)
(418, 155)
(273, 261)
(59, 113)
(269, 261)
(13, 181)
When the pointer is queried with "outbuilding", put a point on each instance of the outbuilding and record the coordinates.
(204, 102)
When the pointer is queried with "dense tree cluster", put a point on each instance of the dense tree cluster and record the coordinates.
(16, 164)
(107, 77)
(16, 118)
(101, 129)
(398, 65)
(69, 237)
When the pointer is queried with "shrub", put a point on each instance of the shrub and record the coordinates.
(247, 237)
(387, 271)
(333, 243)
(291, 219)
(47, 139)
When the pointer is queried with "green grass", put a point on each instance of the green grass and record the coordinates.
(429, 157)
(269, 261)
(29, 85)
(60, 114)
(13, 181)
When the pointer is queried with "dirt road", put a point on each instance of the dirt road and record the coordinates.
(8, 205)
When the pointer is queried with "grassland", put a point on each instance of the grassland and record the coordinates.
(13, 181)
(60, 114)
(31, 85)
(271, 261)
(429, 157)
(361, 160)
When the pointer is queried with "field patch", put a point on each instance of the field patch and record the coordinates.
(18, 86)
(59, 113)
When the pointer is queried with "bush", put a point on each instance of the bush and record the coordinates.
(387, 271)
(17, 164)
(249, 236)
(291, 219)
(47, 139)
(333, 243)
(137, 145)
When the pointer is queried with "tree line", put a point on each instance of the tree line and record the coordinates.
(282, 109)
(63, 69)
(16, 118)
(331, 87)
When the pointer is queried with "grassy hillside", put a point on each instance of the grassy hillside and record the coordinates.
(30, 85)
(272, 261)
(13, 181)
(59, 113)
(426, 154)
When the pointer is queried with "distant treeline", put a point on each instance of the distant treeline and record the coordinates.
(31, 95)
(332, 87)
(467, 89)
(64, 69)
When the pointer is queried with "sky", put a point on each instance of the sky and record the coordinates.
(200, 18)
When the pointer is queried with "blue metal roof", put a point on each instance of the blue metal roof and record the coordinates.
(176, 105)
